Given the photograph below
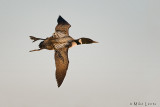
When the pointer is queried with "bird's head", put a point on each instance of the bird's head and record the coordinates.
(86, 41)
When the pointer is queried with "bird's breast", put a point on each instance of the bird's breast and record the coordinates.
(56, 43)
(60, 45)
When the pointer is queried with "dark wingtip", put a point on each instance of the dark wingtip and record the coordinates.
(60, 20)
(59, 85)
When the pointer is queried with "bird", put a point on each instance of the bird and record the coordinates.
(60, 41)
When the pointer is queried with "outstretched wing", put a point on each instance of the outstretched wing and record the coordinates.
(61, 61)
(62, 28)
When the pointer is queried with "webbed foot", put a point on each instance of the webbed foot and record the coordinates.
(35, 39)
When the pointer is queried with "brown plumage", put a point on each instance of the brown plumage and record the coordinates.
(60, 41)
(62, 26)
(61, 61)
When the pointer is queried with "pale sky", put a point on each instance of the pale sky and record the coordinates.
(123, 68)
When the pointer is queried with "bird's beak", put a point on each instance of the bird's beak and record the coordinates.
(95, 42)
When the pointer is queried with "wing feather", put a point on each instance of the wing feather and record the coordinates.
(62, 28)
(62, 62)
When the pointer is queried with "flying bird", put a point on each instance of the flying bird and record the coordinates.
(60, 42)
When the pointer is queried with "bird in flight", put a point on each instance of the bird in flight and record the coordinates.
(60, 42)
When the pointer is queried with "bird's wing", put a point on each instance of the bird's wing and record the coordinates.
(62, 28)
(61, 61)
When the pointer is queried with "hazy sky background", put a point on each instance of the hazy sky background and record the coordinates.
(123, 68)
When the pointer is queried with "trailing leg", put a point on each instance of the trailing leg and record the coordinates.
(35, 50)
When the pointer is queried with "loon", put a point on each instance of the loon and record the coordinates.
(60, 42)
